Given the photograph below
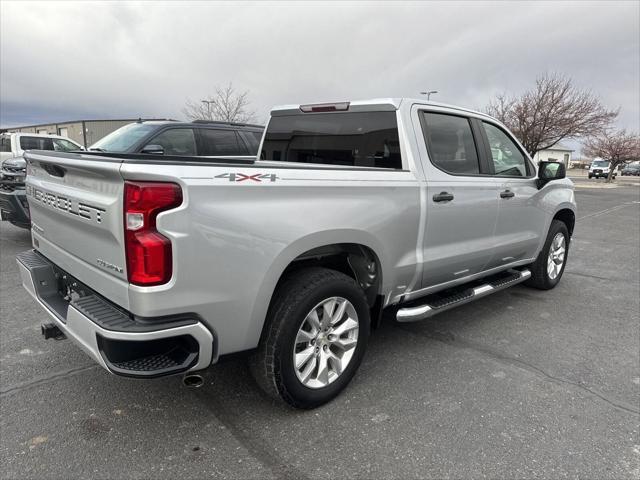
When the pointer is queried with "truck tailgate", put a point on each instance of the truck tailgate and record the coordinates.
(76, 204)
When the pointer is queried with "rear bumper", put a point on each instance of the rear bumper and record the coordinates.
(121, 343)
(14, 206)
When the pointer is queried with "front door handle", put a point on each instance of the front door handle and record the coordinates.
(507, 194)
(443, 197)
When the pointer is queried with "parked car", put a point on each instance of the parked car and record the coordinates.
(600, 169)
(13, 201)
(631, 169)
(164, 265)
(186, 139)
(168, 138)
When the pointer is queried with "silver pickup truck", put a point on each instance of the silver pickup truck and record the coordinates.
(158, 265)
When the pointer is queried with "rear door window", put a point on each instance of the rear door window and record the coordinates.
(252, 140)
(362, 139)
(451, 144)
(257, 136)
(176, 141)
(36, 143)
(220, 143)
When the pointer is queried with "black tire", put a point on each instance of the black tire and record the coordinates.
(540, 278)
(272, 365)
(590, 176)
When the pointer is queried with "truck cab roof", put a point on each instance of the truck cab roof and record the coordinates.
(369, 105)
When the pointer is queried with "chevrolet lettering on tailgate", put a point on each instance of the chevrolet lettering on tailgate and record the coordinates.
(66, 204)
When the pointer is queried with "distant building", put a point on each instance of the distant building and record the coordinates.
(557, 153)
(579, 163)
(85, 132)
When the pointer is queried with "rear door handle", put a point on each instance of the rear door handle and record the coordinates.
(507, 194)
(443, 197)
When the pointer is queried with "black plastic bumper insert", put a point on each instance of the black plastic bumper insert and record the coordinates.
(149, 358)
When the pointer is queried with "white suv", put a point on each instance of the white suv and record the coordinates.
(13, 145)
(13, 169)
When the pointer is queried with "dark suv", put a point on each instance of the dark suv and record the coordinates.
(199, 138)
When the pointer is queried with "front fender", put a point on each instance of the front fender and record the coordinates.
(556, 196)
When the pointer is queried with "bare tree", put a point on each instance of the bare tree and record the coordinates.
(616, 146)
(226, 105)
(551, 111)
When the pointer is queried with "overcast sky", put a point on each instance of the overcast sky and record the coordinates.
(79, 60)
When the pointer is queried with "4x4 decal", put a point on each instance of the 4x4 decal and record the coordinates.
(241, 177)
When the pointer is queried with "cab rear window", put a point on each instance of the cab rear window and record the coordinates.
(361, 139)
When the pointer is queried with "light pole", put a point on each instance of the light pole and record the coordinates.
(208, 104)
(428, 94)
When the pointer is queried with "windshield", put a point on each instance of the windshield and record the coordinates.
(124, 138)
(62, 145)
(600, 163)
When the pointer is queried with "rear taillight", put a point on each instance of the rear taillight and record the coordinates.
(148, 252)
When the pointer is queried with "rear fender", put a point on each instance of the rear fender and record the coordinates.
(297, 248)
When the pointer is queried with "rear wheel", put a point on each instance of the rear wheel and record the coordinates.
(315, 338)
(548, 268)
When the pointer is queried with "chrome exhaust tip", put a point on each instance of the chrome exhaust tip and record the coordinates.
(193, 381)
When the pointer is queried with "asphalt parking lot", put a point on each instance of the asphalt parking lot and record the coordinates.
(520, 384)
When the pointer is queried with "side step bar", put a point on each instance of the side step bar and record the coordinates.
(433, 307)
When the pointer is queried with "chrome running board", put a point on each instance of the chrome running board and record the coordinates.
(433, 307)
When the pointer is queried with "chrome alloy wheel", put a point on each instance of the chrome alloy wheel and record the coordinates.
(557, 252)
(325, 342)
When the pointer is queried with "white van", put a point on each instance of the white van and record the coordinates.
(600, 169)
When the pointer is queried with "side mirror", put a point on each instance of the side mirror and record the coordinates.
(548, 171)
(153, 149)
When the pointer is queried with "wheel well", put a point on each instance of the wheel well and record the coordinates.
(355, 260)
(568, 218)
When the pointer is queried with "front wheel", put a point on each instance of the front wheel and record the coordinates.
(548, 268)
(315, 338)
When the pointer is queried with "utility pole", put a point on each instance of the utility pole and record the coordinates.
(428, 94)
(208, 103)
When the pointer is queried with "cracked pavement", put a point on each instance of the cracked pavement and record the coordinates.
(520, 384)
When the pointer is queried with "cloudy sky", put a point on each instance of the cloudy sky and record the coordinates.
(65, 61)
